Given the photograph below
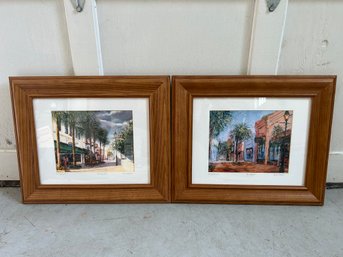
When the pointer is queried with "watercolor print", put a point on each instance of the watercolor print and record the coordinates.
(93, 141)
(250, 141)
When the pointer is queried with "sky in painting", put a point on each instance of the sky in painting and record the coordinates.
(113, 121)
(248, 117)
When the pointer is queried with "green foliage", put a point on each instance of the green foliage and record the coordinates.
(58, 116)
(71, 118)
(223, 149)
(260, 140)
(102, 136)
(127, 132)
(278, 133)
(241, 132)
(84, 122)
(218, 121)
(124, 140)
(120, 144)
(90, 124)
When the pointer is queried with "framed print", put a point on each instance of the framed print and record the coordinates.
(93, 139)
(251, 139)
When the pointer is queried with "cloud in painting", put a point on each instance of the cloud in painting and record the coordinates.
(115, 116)
(113, 121)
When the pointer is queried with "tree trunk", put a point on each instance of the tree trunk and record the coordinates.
(73, 145)
(209, 145)
(89, 141)
(100, 152)
(236, 142)
(94, 142)
(92, 145)
(58, 147)
(103, 153)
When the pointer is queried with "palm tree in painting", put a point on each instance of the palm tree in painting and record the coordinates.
(240, 133)
(218, 121)
(95, 131)
(86, 121)
(74, 120)
(58, 117)
(102, 136)
(106, 142)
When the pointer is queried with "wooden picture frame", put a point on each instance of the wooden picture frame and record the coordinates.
(156, 89)
(319, 89)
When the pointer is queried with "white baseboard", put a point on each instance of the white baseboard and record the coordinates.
(335, 168)
(9, 166)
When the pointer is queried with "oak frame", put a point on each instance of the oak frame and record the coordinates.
(155, 88)
(321, 89)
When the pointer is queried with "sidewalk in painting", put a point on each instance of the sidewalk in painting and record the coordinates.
(108, 166)
(243, 167)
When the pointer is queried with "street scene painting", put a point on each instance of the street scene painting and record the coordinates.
(250, 141)
(93, 141)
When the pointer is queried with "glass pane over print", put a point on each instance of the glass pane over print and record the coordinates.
(250, 141)
(93, 141)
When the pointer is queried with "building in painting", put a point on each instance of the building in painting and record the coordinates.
(245, 150)
(66, 142)
(231, 149)
(249, 150)
(85, 150)
(240, 151)
(272, 138)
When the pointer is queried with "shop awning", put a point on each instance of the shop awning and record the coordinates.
(65, 148)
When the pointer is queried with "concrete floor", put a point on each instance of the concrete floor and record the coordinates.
(170, 229)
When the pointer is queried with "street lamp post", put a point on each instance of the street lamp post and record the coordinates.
(282, 164)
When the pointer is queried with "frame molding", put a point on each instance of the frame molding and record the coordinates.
(321, 89)
(156, 88)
